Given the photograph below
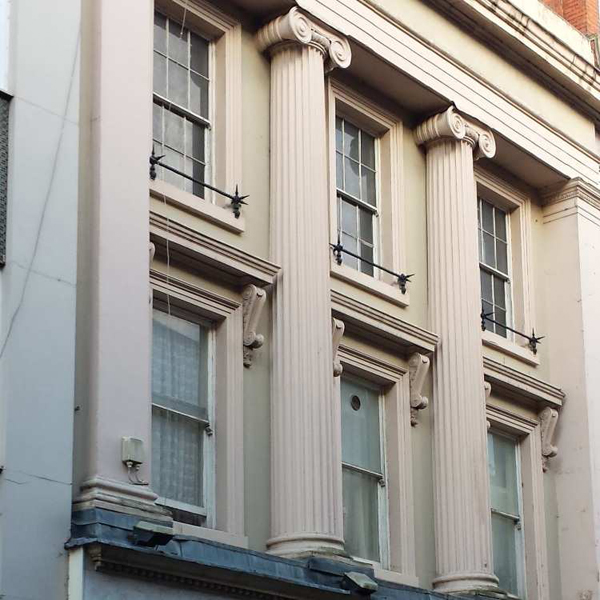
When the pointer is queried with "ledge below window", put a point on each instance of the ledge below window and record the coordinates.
(214, 535)
(204, 209)
(384, 290)
(497, 342)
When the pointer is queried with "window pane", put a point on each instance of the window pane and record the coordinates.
(502, 256)
(488, 250)
(178, 43)
(361, 518)
(504, 535)
(349, 225)
(368, 186)
(339, 142)
(194, 140)
(198, 173)
(351, 140)
(199, 95)
(160, 75)
(488, 309)
(367, 150)
(500, 316)
(501, 224)
(366, 252)
(199, 54)
(366, 225)
(487, 217)
(174, 131)
(339, 171)
(157, 132)
(502, 459)
(173, 159)
(352, 183)
(499, 293)
(360, 426)
(177, 457)
(486, 286)
(160, 33)
(350, 243)
(179, 364)
(178, 84)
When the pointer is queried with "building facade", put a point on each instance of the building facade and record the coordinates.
(299, 299)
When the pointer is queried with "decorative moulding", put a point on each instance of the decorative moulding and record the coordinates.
(574, 190)
(296, 27)
(190, 245)
(548, 419)
(337, 328)
(253, 299)
(450, 124)
(373, 323)
(520, 385)
(418, 366)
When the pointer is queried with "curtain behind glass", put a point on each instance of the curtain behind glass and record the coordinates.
(179, 383)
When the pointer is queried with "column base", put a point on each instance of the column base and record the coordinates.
(109, 494)
(306, 545)
(466, 583)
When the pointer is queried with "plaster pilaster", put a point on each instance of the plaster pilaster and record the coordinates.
(461, 487)
(306, 496)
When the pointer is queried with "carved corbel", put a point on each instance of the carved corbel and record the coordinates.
(253, 299)
(487, 390)
(548, 419)
(418, 366)
(337, 331)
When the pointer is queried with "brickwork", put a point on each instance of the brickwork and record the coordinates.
(582, 14)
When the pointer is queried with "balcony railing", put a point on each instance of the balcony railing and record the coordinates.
(533, 340)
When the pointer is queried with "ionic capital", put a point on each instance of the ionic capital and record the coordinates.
(296, 27)
(450, 124)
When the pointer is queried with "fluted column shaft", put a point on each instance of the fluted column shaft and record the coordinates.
(306, 497)
(462, 503)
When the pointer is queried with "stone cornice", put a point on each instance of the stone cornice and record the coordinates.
(371, 321)
(450, 124)
(575, 189)
(298, 28)
(550, 50)
(521, 385)
(243, 267)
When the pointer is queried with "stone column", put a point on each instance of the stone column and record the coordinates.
(462, 503)
(306, 494)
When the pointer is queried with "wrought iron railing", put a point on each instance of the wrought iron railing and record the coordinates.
(339, 251)
(235, 198)
(533, 340)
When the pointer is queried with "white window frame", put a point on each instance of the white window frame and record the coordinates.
(393, 379)
(225, 314)
(382, 490)
(389, 238)
(516, 202)
(208, 447)
(224, 152)
(517, 424)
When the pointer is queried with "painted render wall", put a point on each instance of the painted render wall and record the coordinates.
(37, 290)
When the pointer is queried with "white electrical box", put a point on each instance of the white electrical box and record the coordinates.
(132, 451)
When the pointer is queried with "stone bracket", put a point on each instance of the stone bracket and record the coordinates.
(337, 331)
(548, 419)
(418, 366)
(487, 391)
(253, 299)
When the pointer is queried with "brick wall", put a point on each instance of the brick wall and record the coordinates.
(582, 14)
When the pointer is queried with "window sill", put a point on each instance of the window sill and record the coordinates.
(497, 342)
(213, 535)
(199, 207)
(365, 282)
(395, 577)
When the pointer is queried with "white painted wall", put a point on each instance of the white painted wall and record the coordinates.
(4, 44)
(37, 287)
